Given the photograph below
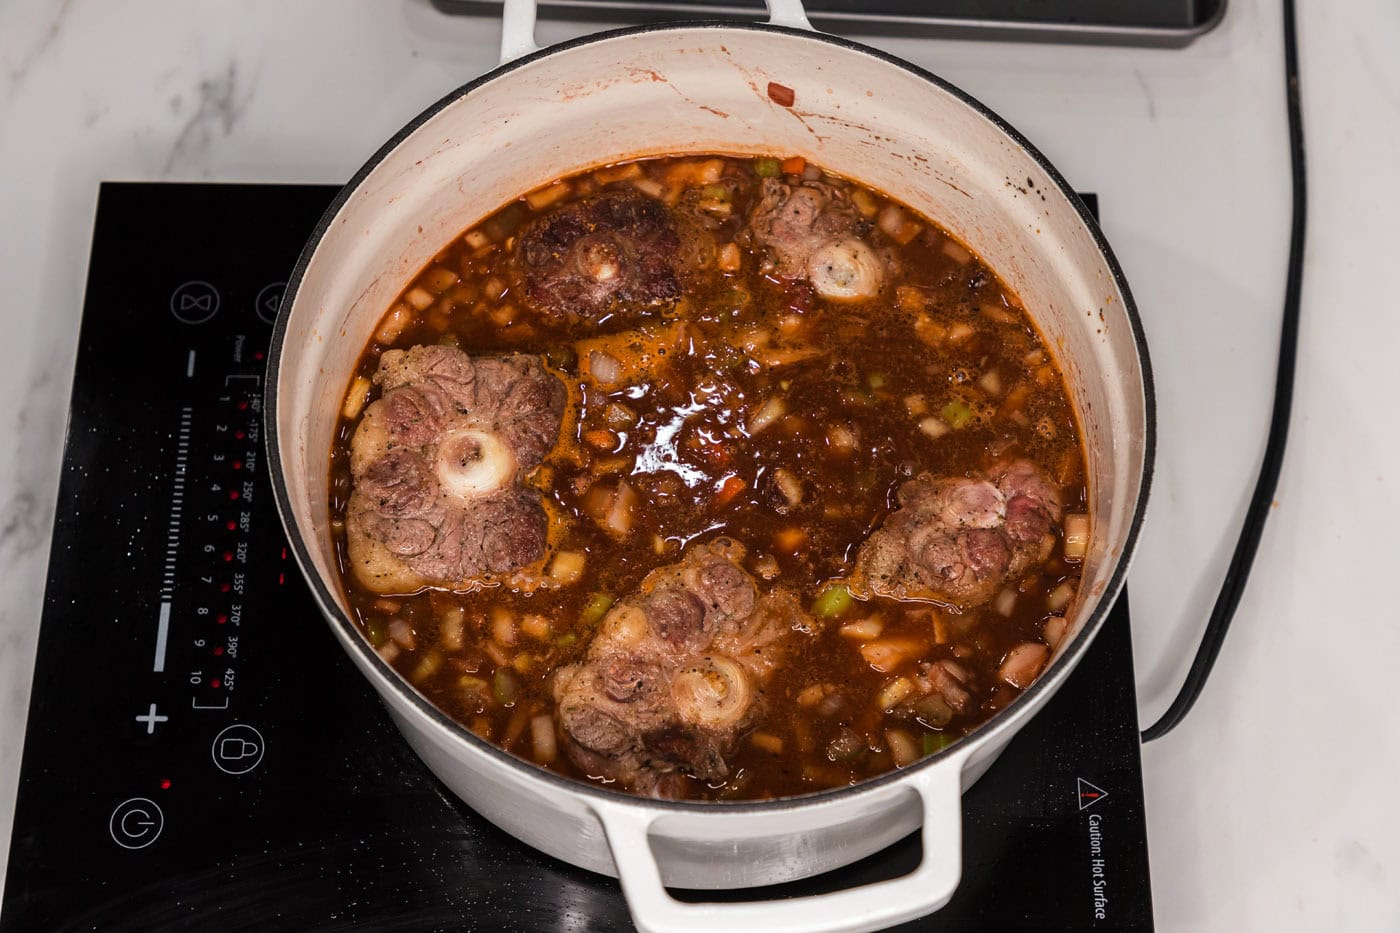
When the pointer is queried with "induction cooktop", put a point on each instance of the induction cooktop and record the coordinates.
(200, 753)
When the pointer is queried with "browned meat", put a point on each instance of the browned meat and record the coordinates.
(959, 540)
(674, 675)
(436, 465)
(810, 230)
(593, 256)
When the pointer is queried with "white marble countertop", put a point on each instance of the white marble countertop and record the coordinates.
(1273, 807)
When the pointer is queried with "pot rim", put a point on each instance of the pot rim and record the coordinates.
(988, 731)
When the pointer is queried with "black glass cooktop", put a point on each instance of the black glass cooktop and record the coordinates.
(201, 755)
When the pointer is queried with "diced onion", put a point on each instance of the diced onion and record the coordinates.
(544, 197)
(1005, 602)
(451, 628)
(896, 223)
(841, 438)
(394, 323)
(402, 633)
(536, 626)
(543, 739)
(503, 626)
(1059, 598)
(355, 399)
(419, 298)
(1054, 630)
(605, 368)
(990, 383)
(903, 749)
(862, 629)
(1076, 536)
(567, 567)
(772, 410)
(894, 692)
(767, 742)
(1022, 663)
(889, 653)
(439, 279)
(428, 665)
(955, 251)
(933, 427)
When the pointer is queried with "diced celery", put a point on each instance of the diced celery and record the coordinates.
(715, 192)
(832, 601)
(936, 742)
(377, 632)
(957, 413)
(593, 611)
(767, 168)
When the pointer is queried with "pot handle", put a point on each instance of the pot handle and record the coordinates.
(870, 907)
(518, 24)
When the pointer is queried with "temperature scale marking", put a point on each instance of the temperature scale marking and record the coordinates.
(172, 539)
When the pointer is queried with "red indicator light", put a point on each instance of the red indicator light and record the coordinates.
(228, 556)
(218, 650)
(281, 579)
(233, 493)
(224, 587)
(216, 683)
(238, 434)
(238, 464)
(284, 553)
(221, 619)
(165, 784)
(231, 525)
(242, 406)
(258, 355)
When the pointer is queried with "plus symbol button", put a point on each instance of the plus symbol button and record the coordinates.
(151, 718)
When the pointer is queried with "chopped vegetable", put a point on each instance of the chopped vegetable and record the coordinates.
(543, 739)
(865, 202)
(564, 641)
(402, 634)
(1022, 663)
(841, 438)
(729, 489)
(600, 438)
(767, 742)
(544, 197)
(765, 167)
(536, 626)
(834, 600)
(794, 165)
(957, 414)
(716, 192)
(862, 629)
(593, 611)
(933, 427)
(427, 666)
(902, 747)
(730, 259)
(1005, 602)
(894, 693)
(438, 279)
(355, 399)
(394, 323)
(1054, 630)
(790, 540)
(1076, 536)
(956, 252)
(419, 298)
(933, 710)
(376, 631)
(506, 686)
(876, 380)
(772, 410)
(896, 223)
(889, 653)
(451, 628)
(567, 567)
(503, 626)
(915, 404)
(812, 695)
(789, 485)
(1059, 597)
(990, 383)
(933, 742)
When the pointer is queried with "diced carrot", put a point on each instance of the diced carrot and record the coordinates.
(601, 438)
(730, 488)
(790, 540)
(794, 165)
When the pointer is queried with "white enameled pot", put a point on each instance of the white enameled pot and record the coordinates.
(703, 88)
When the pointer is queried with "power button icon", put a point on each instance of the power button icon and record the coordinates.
(136, 823)
(238, 749)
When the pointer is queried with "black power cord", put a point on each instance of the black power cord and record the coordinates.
(1265, 486)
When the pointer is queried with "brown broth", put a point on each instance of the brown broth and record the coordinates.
(952, 342)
